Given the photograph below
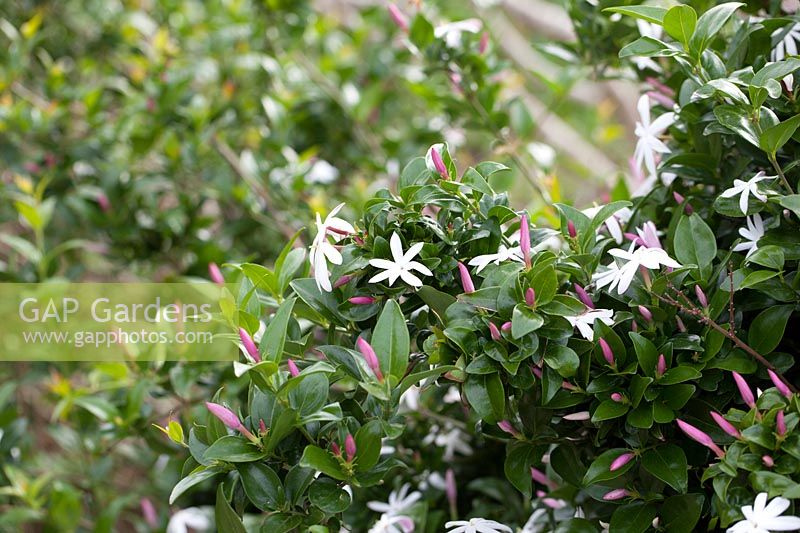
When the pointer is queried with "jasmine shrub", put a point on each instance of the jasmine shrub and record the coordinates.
(448, 364)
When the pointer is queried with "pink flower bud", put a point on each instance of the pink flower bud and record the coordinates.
(568, 386)
(293, 371)
(398, 17)
(620, 461)
(537, 372)
(362, 300)
(767, 460)
(661, 365)
(369, 355)
(249, 345)
(525, 239)
(262, 426)
(608, 354)
(617, 397)
(583, 296)
(215, 274)
(530, 297)
(494, 332)
(678, 197)
(225, 415)
(700, 436)
(726, 426)
(149, 513)
(540, 477)
(103, 202)
(450, 487)
(350, 447)
(484, 43)
(744, 390)
(646, 314)
(616, 494)
(506, 426)
(579, 416)
(780, 385)
(780, 424)
(665, 101)
(438, 163)
(336, 450)
(506, 326)
(634, 326)
(571, 229)
(466, 279)
(701, 296)
(344, 280)
(681, 325)
(633, 238)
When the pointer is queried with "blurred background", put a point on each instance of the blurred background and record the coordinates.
(143, 140)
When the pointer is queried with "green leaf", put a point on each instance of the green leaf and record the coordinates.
(668, 463)
(233, 449)
(647, 47)
(197, 476)
(566, 461)
(792, 202)
(318, 459)
(772, 139)
(646, 353)
(609, 409)
(770, 256)
(767, 330)
(679, 23)
(391, 341)
(681, 513)
(275, 336)
(695, 243)
(297, 481)
(599, 469)
(261, 276)
(775, 71)
(679, 374)
(421, 31)
(225, 517)
(262, 486)
(486, 395)
(328, 496)
(632, 518)
(709, 24)
(562, 359)
(310, 395)
(368, 444)
(736, 119)
(652, 14)
(437, 300)
(520, 456)
(524, 320)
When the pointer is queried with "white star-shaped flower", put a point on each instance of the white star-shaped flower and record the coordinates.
(621, 276)
(452, 31)
(745, 188)
(503, 254)
(585, 321)
(787, 45)
(452, 440)
(399, 501)
(192, 517)
(753, 232)
(322, 250)
(402, 265)
(476, 525)
(649, 144)
(393, 524)
(765, 518)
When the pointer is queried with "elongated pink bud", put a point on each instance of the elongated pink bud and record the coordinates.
(350, 447)
(506, 326)
(336, 450)
(540, 477)
(398, 17)
(484, 43)
(225, 415)
(293, 370)
(506, 426)
(780, 424)
(530, 297)
(262, 426)
(494, 332)
(371, 358)
(525, 239)
(344, 280)
(578, 416)
(215, 274)
(726, 426)
(679, 198)
(661, 365)
(616, 494)
(634, 326)
(571, 229)
(466, 279)
(249, 345)
(104, 202)
(744, 390)
(450, 487)
(438, 163)
(646, 314)
(681, 325)
(362, 300)
(536, 372)
(608, 353)
(700, 436)
(617, 397)
(701, 296)
(780, 385)
(767, 460)
(583, 296)
(620, 461)
(149, 513)
(568, 386)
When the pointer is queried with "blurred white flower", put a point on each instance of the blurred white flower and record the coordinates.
(452, 440)
(537, 523)
(503, 254)
(649, 144)
(393, 524)
(753, 232)
(765, 518)
(452, 32)
(543, 154)
(402, 265)
(197, 519)
(476, 525)
(612, 223)
(409, 400)
(322, 172)
(399, 501)
(322, 251)
(452, 395)
(621, 276)
(585, 321)
(745, 188)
